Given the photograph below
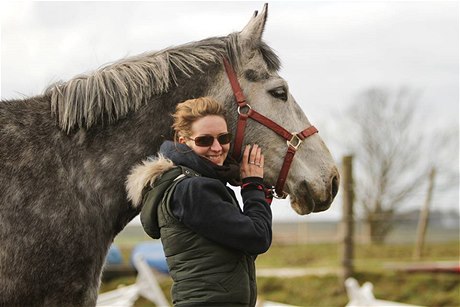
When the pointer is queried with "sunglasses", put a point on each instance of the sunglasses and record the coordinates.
(208, 140)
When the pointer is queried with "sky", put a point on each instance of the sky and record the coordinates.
(330, 50)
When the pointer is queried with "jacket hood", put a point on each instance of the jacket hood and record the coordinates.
(145, 174)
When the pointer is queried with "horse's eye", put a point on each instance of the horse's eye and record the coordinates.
(279, 93)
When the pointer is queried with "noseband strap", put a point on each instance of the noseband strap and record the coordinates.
(293, 139)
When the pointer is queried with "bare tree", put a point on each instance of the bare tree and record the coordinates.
(393, 148)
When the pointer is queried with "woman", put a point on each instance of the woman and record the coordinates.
(209, 242)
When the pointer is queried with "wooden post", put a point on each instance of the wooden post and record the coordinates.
(423, 218)
(347, 227)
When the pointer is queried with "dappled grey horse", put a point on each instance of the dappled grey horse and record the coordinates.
(65, 156)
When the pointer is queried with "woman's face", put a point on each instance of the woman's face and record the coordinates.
(211, 125)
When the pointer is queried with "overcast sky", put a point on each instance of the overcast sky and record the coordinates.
(330, 50)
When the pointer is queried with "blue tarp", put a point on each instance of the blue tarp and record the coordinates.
(153, 254)
(114, 256)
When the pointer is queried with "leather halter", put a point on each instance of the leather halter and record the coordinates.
(293, 140)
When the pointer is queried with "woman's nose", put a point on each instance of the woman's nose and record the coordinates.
(216, 145)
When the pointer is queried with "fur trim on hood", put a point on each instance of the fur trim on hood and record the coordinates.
(145, 174)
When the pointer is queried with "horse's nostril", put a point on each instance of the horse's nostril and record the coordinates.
(335, 186)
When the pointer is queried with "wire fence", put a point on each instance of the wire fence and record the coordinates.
(404, 230)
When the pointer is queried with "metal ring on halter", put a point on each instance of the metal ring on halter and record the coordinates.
(275, 195)
(247, 105)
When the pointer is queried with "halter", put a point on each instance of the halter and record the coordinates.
(293, 139)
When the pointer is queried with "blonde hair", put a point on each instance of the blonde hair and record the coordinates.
(191, 110)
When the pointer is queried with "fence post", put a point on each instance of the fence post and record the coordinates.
(347, 227)
(423, 218)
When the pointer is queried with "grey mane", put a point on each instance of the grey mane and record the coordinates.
(119, 88)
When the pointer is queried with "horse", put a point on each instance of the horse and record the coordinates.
(66, 154)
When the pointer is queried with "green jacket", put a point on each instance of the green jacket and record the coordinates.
(204, 273)
(210, 242)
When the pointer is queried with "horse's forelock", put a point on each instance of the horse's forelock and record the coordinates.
(121, 87)
(270, 57)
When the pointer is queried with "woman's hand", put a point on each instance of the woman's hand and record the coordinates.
(252, 164)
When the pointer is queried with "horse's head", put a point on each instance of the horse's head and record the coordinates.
(313, 178)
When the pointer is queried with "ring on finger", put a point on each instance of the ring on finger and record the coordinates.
(252, 162)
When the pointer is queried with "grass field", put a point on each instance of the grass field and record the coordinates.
(370, 264)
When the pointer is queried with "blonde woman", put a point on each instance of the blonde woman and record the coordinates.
(210, 242)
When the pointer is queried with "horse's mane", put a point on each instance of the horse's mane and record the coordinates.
(118, 88)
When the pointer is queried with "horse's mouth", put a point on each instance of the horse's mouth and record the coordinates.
(304, 203)
(303, 208)
(308, 206)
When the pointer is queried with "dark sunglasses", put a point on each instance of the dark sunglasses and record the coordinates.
(208, 140)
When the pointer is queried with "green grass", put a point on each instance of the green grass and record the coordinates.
(306, 255)
(418, 289)
(328, 254)
(426, 289)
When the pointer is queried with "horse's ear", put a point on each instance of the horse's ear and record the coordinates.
(252, 32)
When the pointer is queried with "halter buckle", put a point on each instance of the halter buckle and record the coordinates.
(295, 141)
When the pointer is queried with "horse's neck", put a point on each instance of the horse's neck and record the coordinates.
(115, 149)
(111, 151)
(104, 154)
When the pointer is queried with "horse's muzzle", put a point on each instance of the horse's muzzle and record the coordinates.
(305, 200)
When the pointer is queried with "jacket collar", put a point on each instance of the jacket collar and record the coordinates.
(181, 154)
(170, 155)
